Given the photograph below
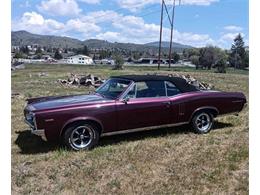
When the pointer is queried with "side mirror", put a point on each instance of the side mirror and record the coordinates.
(125, 100)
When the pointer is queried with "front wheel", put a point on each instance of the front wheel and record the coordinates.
(202, 122)
(81, 136)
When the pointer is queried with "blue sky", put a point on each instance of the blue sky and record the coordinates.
(197, 22)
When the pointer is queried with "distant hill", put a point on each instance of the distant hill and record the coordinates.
(20, 38)
(167, 45)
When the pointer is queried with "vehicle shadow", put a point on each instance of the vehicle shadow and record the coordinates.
(184, 129)
(32, 144)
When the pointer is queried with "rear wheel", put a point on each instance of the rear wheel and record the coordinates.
(81, 136)
(202, 122)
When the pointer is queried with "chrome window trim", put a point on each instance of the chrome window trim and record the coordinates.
(134, 83)
(123, 95)
(175, 86)
(118, 97)
(165, 88)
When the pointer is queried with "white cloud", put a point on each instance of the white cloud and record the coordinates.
(134, 29)
(35, 23)
(233, 28)
(230, 36)
(59, 7)
(121, 28)
(80, 26)
(91, 1)
(32, 18)
(134, 5)
(101, 16)
(111, 36)
(226, 40)
(198, 2)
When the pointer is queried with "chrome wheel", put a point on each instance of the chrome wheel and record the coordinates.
(81, 137)
(203, 122)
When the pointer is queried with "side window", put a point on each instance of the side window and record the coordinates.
(132, 92)
(150, 89)
(171, 89)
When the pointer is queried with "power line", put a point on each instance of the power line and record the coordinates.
(107, 14)
(171, 20)
(137, 15)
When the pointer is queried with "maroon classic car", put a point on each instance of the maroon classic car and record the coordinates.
(127, 104)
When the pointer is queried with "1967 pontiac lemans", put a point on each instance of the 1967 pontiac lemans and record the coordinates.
(127, 104)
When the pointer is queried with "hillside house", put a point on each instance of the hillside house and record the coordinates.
(79, 59)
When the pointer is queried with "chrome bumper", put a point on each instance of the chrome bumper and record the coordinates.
(38, 132)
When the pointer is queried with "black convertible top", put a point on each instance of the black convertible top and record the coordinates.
(180, 83)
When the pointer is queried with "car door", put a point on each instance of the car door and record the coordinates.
(145, 105)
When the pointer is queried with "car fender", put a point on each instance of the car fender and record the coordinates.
(203, 108)
(82, 118)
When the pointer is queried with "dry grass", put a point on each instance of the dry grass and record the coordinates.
(166, 161)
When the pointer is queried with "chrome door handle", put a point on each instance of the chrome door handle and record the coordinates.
(167, 104)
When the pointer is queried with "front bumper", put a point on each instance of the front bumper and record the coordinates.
(38, 132)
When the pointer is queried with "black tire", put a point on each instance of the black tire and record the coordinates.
(202, 122)
(81, 136)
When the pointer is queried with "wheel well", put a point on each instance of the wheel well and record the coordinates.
(90, 122)
(213, 111)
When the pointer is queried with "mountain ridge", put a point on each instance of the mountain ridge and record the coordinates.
(21, 38)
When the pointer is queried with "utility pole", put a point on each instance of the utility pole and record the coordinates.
(171, 20)
(160, 42)
(170, 52)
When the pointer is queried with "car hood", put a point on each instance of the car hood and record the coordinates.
(63, 101)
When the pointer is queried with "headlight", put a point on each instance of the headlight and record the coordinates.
(29, 116)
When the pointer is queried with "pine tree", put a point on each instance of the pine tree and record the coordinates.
(238, 53)
(85, 51)
(57, 55)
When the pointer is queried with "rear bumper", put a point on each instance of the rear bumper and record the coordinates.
(38, 132)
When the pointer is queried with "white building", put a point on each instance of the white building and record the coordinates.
(79, 59)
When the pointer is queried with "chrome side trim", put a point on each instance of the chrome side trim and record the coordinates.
(49, 120)
(142, 129)
(237, 101)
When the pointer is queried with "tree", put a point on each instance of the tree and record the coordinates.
(176, 57)
(246, 59)
(238, 56)
(187, 53)
(195, 60)
(119, 62)
(85, 50)
(103, 54)
(25, 49)
(19, 55)
(209, 56)
(38, 51)
(57, 55)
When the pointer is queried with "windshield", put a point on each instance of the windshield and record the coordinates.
(113, 88)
